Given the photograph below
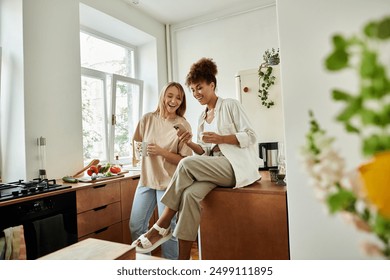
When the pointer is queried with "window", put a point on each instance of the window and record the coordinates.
(111, 99)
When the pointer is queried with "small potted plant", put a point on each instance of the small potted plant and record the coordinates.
(266, 79)
(271, 57)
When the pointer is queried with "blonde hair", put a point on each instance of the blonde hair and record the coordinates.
(161, 110)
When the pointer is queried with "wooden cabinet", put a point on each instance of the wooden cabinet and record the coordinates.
(247, 223)
(99, 212)
(104, 208)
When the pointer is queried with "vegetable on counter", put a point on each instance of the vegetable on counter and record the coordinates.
(70, 179)
(107, 170)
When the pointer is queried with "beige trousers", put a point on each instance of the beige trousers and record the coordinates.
(194, 178)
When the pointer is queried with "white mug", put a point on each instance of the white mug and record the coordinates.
(141, 149)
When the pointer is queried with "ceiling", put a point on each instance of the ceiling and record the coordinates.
(176, 11)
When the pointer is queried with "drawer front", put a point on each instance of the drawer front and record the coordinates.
(98, 218)
(96, 196)
(112, 233)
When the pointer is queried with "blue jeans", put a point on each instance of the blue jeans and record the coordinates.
(145, 201)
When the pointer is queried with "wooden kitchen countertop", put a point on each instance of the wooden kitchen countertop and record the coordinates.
(127, 176)
(264, 184)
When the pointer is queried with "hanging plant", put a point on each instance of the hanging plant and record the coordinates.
(266, 79)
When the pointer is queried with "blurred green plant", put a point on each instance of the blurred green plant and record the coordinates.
(366, 112)
(327, 174)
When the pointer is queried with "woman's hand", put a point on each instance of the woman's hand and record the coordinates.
(185, 136)
(155, 150)
(212, 137)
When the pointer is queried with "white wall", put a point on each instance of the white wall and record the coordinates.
(52, 84)
(12, 85)
(305, 30)
(40, 93)
(236, 41)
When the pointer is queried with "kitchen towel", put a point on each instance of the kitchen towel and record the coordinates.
(14, 246)
(2, 248)
(50, 234)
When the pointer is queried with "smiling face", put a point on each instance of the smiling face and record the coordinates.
(172, 101)
(204, 93)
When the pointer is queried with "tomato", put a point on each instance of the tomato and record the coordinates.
(115, 169)
(94, 169)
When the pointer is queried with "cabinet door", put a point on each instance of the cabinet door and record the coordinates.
(112, 233)
(247, 216)
(96, 196)
(128, 188)
(98, 218)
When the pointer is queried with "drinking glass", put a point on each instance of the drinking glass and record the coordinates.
(281, 165)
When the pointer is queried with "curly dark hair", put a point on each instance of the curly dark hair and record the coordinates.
(204, 70)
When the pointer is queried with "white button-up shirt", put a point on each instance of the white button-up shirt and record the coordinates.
(231, 119)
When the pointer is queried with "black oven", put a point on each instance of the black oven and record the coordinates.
(49, 223)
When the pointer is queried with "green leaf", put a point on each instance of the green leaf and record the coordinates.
(371, 29)
(339, 42)
(369, 116)
(384, 29)
(353, 107)
(375, 143)
(382, 228)
(352, 129)
(380, 30)
(368, 64)
(341, 95)
(337, 60)
(342, 200)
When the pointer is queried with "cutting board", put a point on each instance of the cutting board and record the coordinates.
(88, 179)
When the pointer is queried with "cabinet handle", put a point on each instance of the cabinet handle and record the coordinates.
(100, 186)
(101, 230)
(100, 208)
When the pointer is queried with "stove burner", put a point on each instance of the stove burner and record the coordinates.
(23, 188)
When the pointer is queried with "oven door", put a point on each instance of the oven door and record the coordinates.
(49, 223)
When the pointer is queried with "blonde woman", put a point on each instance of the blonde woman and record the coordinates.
(164, 151)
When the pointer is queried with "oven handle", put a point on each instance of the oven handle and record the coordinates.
(100, 208)
(100, 186)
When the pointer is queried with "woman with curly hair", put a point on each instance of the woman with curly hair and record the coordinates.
(225, 156)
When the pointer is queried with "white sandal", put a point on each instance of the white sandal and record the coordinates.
(146, 246)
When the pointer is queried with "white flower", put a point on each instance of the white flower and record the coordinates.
(372, 249)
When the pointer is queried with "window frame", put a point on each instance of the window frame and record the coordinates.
(114, 79)
(110, 80)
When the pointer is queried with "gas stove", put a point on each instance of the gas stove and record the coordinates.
(22, 188)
